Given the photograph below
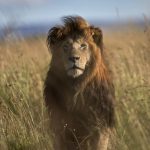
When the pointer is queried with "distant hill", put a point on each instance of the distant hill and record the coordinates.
(42, 29)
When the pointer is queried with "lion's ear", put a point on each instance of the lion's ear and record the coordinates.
(54, 35)
(97, 37)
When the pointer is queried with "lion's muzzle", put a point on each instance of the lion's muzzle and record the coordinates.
(74, 58)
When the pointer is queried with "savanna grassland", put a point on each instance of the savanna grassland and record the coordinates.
(23, 66)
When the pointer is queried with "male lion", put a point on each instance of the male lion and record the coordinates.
(78, 90)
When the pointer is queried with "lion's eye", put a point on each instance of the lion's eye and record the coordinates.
(65, 47)
(83, 46)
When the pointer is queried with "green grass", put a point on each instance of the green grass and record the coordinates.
(23, 116)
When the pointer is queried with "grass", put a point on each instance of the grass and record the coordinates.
(23, 116)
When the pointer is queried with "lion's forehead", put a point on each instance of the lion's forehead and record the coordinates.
(77, 40)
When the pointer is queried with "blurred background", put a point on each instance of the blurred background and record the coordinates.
(32, 17)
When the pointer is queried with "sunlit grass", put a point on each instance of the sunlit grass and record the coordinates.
(23, 116)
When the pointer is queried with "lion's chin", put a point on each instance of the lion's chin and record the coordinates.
(74, 73)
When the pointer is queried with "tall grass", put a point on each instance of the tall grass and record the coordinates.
(23, 116)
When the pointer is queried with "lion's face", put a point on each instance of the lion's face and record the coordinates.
(75, 47)
(76, 56)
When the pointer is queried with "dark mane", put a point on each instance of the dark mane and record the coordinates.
(73, 24)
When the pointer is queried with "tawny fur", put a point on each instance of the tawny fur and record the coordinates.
(81, 109)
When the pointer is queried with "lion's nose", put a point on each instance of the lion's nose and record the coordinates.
(74, 58)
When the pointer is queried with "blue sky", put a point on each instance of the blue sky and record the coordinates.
(37, 11)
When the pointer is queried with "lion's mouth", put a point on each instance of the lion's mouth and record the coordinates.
(75, 71)
(76, 67)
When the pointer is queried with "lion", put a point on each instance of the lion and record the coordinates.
(79, 92)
